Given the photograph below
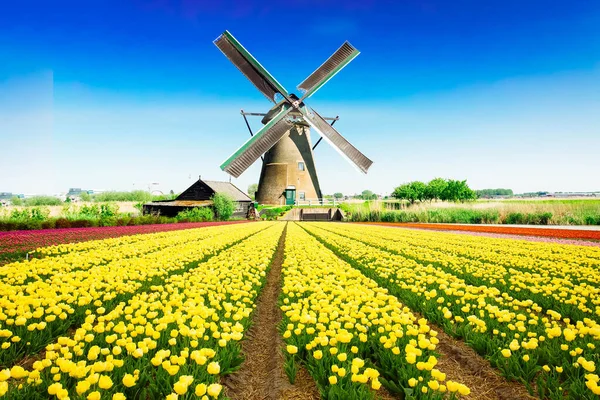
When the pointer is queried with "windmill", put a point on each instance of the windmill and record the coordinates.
(288, 163)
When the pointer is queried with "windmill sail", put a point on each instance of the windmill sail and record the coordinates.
(328, 69)
(249, 66)
(344, 147)
(258, 144)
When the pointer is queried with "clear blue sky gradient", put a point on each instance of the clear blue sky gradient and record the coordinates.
(116, 94)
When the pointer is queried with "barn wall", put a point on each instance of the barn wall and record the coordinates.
(198, 191)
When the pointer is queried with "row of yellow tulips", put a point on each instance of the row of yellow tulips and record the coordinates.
(173, 340)
(353, 335)
(33, 314)
(564, 278)
(86, 255)
(525, 341)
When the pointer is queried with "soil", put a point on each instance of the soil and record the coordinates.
(462, 364)
(261, 376)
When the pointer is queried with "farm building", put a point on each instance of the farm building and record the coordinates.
(199, 195)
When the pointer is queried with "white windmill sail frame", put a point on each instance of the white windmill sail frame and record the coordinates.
(309, 119)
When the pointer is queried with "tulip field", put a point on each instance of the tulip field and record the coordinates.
(364, 310)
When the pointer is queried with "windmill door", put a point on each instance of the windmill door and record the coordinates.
(290, 196)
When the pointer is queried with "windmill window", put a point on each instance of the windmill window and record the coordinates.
(300, 166)
(301, 196)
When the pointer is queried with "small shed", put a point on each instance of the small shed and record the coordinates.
(199, 195)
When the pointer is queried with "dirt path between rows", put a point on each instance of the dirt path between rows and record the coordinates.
(261, 376)
(462, 364)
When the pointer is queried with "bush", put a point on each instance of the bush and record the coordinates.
(42, 201)
(273, 213)
(592, 220)
(62, 223)
(542, 218)
(30, 214)
(515, 218)
(49, 224)
(224, 206)
(539, 218)
(196, 214)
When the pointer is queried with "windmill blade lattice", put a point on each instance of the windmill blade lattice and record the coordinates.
(258, 144)
(337, 141)
(328, 69)
(249, 66)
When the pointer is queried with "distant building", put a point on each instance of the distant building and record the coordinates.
(199, 195)
(74, 194)
(5, 195)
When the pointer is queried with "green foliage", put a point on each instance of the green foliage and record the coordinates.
(224, 206)
(37, 201)
(338, 195)
(435, 188)
(494, 192)
(16, 201)
(290, 367)
(411, 191)
(90, 211)
(169, 196)
(30, 214)
(458, 191)
(252, 189)
(273, 213)
(196, 214)
(540, 218)
(445, 215)
(367, 195)
(85, 196)
(136, 195)
(454, 216)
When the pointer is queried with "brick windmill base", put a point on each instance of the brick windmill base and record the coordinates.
(289, 164)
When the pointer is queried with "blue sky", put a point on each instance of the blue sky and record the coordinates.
(118, 94)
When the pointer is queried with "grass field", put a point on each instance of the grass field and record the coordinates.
(518, 211)
(301, 310)
(56, 211)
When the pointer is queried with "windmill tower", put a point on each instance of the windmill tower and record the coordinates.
(288, 163)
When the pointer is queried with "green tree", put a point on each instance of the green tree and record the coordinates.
(16, 201)
(458, 191)
(368, 195)
(411, 191)
(224, 206)
(494, 192)
(338, 195)
(85, 196)
(252, 189)
(435, 188)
